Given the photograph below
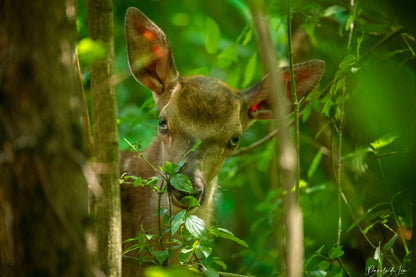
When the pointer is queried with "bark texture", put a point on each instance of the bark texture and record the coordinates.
(105, 138)
(43, 192)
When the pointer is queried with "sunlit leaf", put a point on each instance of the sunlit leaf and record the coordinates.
(204, 250)
(212, 36)
(209, 271)
(90, 50)
(383, 141)
(333, 10)
(250, 70)
(196, 145)
(196, 227)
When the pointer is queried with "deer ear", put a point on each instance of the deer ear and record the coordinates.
(258, 97)
(149, 54)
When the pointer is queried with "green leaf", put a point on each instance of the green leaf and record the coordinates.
(226, 234)
(383, 141)
(209, 271)
(324, 265)
(336, 252)
(250, 70)
(161, 256)
(318, 273)
(196, 145)
(181, 182)
(219, 262)
(204, 250)
(151, 182)
(333, 10)
(90, 50)
(189, 202)
(196, 227)
(245, 35)
(390, 243)
(177, 221)
(212, 36)
(371, 265)
(347, 62)
(179, 166)
(314, 164)
(185, 253)
(227, 57)
(138, 182)
(169, 168)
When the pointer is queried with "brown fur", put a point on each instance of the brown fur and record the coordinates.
(191, 108)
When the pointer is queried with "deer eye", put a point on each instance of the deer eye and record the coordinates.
(233, 142)
(163, 126)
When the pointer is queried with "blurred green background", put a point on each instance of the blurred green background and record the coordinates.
(373, 79)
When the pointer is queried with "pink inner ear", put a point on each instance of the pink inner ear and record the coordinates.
(159, 52)
(149, 35)
(254, 108)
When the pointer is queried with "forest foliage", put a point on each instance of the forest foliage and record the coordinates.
(357, 149)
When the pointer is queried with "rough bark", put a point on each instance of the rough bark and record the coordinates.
(43, 192)
(105, 138)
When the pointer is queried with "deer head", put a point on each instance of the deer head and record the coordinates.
(199, 108)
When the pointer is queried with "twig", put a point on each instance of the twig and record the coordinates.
(85, 114)
(343, 267)
(226, 274)
(256, 144)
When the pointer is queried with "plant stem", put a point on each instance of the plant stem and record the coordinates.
(160, 193)
(413, 242)
(396, 220)
(340, 134)
(294, 97)
(287, 151)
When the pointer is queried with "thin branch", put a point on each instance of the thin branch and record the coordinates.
(226, 274)
(256, 144)
(85, 114)
(343, 267)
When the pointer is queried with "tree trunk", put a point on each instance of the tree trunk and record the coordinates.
(43, 193)
(105, 138)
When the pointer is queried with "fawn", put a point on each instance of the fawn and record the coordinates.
(191, 108)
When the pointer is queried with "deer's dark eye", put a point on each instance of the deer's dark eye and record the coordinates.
(233, 142)
(163, 126)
